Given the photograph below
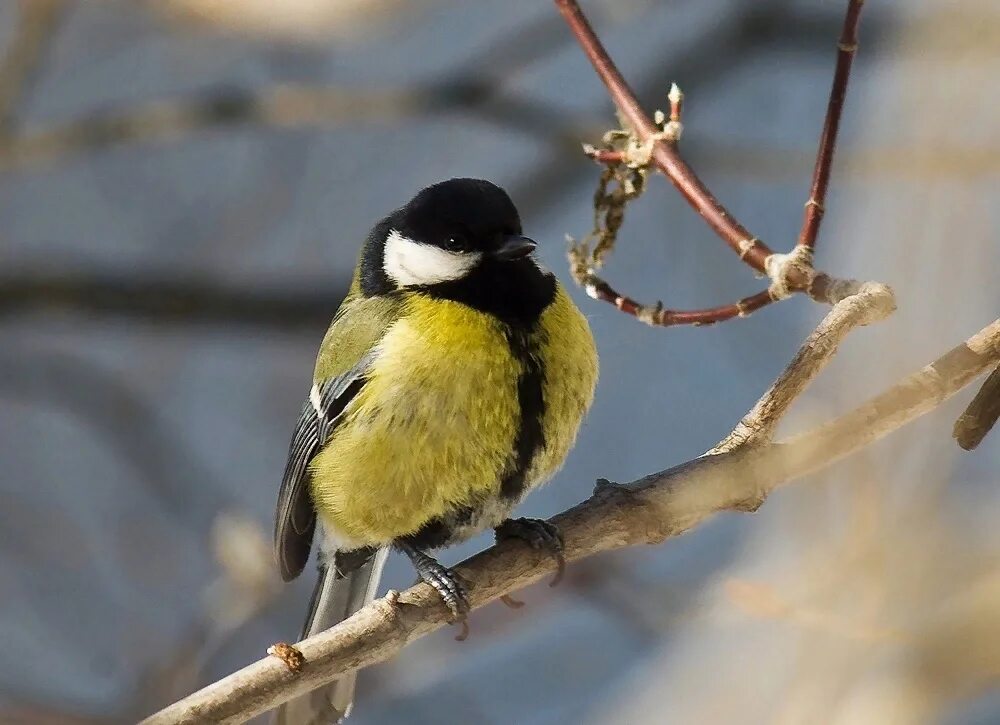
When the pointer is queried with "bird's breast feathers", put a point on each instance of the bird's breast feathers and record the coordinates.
(435, 425)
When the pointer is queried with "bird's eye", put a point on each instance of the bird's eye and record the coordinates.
(455, 244)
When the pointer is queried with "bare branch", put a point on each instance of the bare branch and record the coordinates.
(647, 511)
(657, 314)
(873, 302)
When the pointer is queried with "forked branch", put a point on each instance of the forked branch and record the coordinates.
(655, 143)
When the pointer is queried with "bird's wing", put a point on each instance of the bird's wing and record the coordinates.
(345, 357)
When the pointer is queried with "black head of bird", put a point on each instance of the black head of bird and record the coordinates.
(448, 232)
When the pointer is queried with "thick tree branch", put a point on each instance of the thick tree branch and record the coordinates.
(647, 511)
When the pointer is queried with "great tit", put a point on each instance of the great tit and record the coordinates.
(452, 381)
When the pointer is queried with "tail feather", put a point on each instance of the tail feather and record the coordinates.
(334, 600)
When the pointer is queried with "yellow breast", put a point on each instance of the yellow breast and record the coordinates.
(431, 430)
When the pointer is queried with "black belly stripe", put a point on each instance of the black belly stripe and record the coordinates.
(531, 400)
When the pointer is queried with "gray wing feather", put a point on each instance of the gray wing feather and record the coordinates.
(295, 517)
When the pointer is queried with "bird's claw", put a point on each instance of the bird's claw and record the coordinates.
(538, 534)
(444, 581)
(449, 587)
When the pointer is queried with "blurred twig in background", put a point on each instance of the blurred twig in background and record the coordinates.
(38, 21)
(169, 301)
(244, 589)
(477, 89)
(130, 423)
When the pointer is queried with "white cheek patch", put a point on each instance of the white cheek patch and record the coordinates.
(411, 263)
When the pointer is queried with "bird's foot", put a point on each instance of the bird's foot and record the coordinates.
(539, 535)
(443, 579)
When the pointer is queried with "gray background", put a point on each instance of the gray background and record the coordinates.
(161, 303)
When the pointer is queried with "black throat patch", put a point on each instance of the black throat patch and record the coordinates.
(516, 293)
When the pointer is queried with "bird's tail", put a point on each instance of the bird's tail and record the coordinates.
(335, 599)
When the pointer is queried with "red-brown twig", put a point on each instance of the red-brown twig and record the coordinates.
(658, 315)
(788, 273)
(604, 156)
(847, 48)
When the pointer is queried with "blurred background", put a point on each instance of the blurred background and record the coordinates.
(183, 188)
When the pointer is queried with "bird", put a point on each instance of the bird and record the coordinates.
(452, 380)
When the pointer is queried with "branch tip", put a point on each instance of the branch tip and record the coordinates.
(676, 98)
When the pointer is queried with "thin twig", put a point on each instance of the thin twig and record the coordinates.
(658, 315)
(604, 156)
(847, 48)
(649, 510)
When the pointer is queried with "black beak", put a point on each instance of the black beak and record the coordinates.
(514, 247)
